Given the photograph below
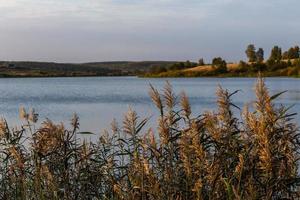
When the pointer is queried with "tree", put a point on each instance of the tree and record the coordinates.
(293, 52)
(285, 55)
(260, 55)
(297, 52)
(243, 66)
(201, 62)
(250, 52)
(297, 63)
(220, 65)
(177, 66)
(187, 64)
(276, 54)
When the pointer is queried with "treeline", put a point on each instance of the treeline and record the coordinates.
(287, 63)
(276, 54)
(175, 66)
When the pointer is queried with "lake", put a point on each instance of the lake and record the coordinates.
(98, 100)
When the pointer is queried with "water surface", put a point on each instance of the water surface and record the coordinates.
(98, 100)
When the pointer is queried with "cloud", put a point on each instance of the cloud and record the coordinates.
(103, 10)
(76, 30)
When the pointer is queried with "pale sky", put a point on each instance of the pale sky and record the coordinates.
(111, 30)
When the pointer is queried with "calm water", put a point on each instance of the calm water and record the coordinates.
(98, 100)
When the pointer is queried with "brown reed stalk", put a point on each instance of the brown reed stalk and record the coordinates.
(216, 155)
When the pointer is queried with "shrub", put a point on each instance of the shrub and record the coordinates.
(274, 65)
(243, 67)
(220, 65)
(258, 67)
(296, 62)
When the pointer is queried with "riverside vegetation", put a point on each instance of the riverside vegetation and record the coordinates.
(278, 64)
(215, 155)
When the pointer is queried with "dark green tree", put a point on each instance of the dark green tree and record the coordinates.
(285, 55)
(260, 55)
(188, 64)
(243, 66)
(201, 62)
(297, 52)
(250, 52)
(293, 53)
(220, 65)
(276, 54)
(177, 66)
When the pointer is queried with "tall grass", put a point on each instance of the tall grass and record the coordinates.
(215, 155)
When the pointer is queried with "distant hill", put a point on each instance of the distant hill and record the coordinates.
(130, 66)
(52, 69)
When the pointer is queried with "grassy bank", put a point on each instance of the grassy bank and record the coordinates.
(233, 70)
(279, 63)
(215, 155)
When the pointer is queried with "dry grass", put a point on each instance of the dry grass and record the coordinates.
(213, 156)
(230, 67)
(208, 68)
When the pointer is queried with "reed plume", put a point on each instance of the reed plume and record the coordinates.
(213, 155)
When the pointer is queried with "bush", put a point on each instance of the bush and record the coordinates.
(243, 67)
(294, 71)
(220, 65)
(258, 67)
(213, 156)
(296, 62)
(274, 65)
(182, 65)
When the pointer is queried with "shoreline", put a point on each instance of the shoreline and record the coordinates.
(220, 76)
(145, 77)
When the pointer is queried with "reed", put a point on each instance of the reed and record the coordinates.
(215, 155)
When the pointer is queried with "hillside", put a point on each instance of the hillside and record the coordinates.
(231, 66)
(52, 69)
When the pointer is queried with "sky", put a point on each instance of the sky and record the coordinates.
(116, 30)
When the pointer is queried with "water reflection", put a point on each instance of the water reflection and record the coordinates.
(98, 100)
